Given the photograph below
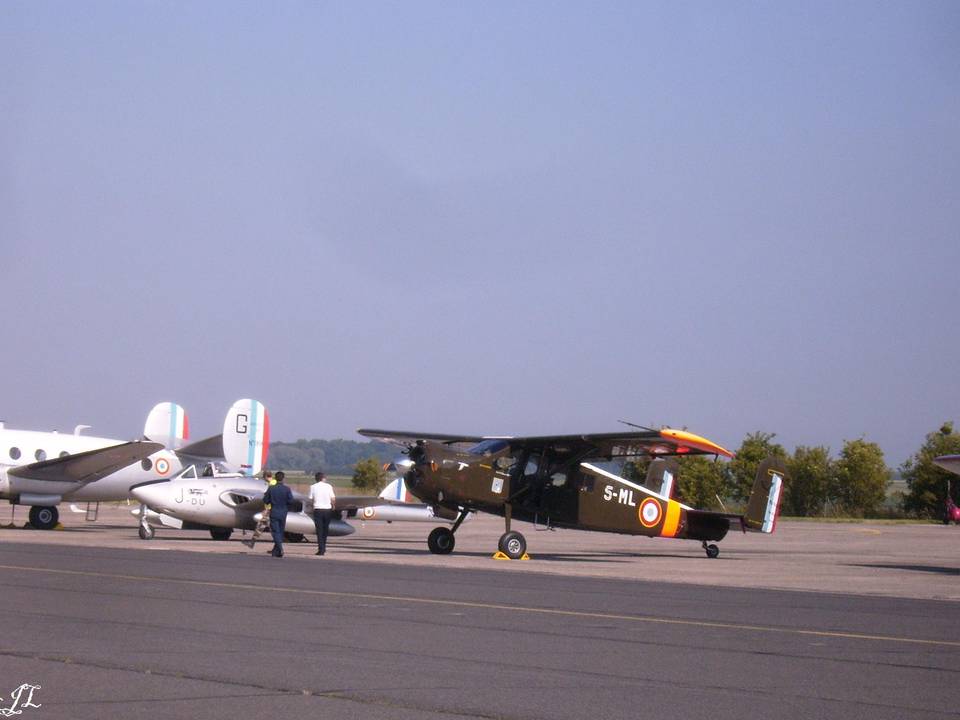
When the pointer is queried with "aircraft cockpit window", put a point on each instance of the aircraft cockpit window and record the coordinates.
(14, 453)
(220, 468)
(208, 470)
(190, 473)
(488, 447)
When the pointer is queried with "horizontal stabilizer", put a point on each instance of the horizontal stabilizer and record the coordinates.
(210, 448)
(86, 467)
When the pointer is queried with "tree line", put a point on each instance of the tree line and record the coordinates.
(854, 483)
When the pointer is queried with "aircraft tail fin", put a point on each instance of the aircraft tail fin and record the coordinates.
(396, 490)
(167, 424)
(661, 476)
(763, 507)
(246, 436)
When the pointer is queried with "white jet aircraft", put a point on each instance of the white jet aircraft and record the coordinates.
(43, 469)
(218, 501)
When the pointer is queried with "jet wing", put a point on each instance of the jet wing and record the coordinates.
(86, 467)
(667, 441)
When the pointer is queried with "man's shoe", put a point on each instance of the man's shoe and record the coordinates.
(319, 552)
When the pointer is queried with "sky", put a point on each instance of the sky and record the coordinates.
(490, 218)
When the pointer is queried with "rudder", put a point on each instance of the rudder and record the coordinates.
(763, 507)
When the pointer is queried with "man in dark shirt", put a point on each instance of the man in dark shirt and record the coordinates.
(279, 498)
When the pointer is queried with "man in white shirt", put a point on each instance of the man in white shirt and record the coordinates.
(323, 500)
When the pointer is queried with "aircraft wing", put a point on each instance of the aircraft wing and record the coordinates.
(950, 463)
(405, 437)
(86, 467)
(667, 441)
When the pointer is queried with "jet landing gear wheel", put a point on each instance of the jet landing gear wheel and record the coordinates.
(513, 545)
(711, 550)
(146, 532)
(441, 541)
(44, 517)
(221, 533)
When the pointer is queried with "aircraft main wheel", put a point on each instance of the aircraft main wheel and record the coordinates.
(513, 545)
(441, 541)
(712, 550)
(221, 533)
(44, 517)
(146, 532)
(294, 537)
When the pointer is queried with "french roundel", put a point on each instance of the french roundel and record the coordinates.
(162, 466)
(650, 513)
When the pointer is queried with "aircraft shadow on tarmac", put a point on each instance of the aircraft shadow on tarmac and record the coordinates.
(935, 569)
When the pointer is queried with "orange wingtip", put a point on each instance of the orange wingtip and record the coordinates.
(686, 440)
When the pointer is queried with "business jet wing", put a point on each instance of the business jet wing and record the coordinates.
(86, 467)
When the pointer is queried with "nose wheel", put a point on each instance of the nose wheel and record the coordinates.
(712, 550)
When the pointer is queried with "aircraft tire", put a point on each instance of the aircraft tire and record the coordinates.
(44, 517)
(513, 545)
(441, 541)
(146, 532)
(221, 533)
(712, 551)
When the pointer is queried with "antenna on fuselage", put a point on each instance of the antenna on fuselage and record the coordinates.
(80, 428)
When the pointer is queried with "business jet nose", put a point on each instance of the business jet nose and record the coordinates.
(152, 494)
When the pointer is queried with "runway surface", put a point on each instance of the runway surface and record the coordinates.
(118, 632)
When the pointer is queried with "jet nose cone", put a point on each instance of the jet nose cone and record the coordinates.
(151, 494)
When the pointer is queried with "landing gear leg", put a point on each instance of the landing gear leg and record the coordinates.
(711, 550)
(512, 544)
(441, 540)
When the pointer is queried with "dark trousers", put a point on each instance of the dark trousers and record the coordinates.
(321, 520)
(277, 526)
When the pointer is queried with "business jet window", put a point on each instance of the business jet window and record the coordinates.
(40, 455)
(146, 464)
(14, 453)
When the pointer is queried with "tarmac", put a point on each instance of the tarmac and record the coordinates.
(819, 620)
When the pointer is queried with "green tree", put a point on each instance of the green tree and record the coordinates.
(701, 481)
(369, 476)
(926, 483)
(859, 485)
(743, 468)
(809, 473)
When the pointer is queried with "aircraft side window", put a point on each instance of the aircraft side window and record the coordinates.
(533, 464)
(14, 453)
(40, 455)
(586, 483)
(558, 479)
(208, 470)
(146, 464)
(190, 473)
(63, 453)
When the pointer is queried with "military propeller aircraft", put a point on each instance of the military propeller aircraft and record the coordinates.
(550, 481)
(44, 469)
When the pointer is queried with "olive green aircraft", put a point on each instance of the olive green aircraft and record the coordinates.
(553, 481)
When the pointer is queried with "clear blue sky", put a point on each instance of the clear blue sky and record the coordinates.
(487, 217)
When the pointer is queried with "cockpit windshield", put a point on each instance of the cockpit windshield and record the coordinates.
(488, 447)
